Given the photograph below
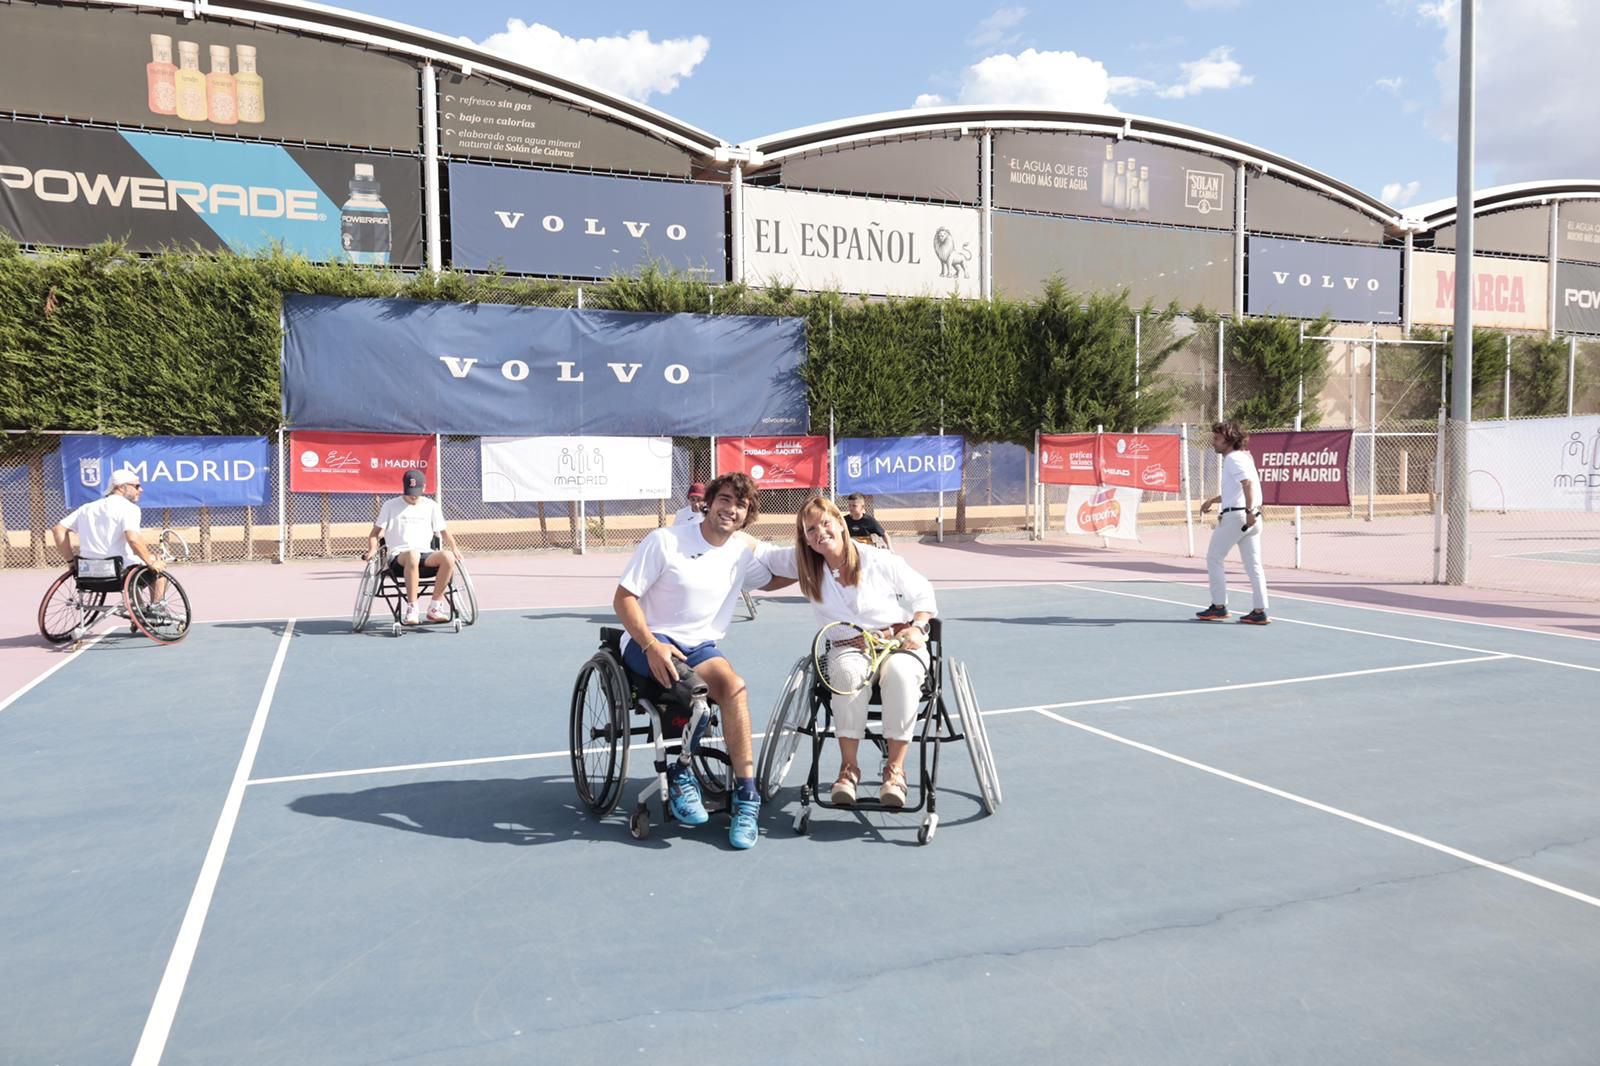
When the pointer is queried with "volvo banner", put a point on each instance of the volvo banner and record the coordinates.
(399, 366)
(1306, 279)
(76, 187)
(1506, 293)
(1577, 298)
(581, 225)
(899, 464)
(175, 471)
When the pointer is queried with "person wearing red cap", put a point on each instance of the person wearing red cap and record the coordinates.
(696, 509)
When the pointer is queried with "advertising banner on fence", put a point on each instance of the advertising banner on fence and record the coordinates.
(938, 167)
(119, 66)
(1535, 464)
(1577, 298)
(530, 469)
(1103, 512)
(1308, 468)
(76, 187)
(899, 464)
(776, 462)
(582, 225)
(1072, 174)
(1506, 293)
(817, 241)
(1149, 461)
(175, 471)
(400, 366)
(1068, 459)
(359, 462)
(1306, 279)
(1578, 231)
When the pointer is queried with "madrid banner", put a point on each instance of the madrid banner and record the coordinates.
(175, 471)
(398, 366)
(1303, 468)
(1309, 279)
(1068, 459)
(359, 462)
(1506, 293)
(1535, 464)
(1103, 512)
(899, 464)
(1150, 461)
(776, 462)
(528, 469)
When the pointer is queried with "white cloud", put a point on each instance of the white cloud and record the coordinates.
(1067, 81)
(995, 31)
(929, 100)
(633, 66)
(1399, 194)
(1216, 70)
(1390, 85)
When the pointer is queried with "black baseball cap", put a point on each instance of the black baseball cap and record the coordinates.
(415, 484)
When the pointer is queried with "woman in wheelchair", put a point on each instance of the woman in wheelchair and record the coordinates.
(878, 590)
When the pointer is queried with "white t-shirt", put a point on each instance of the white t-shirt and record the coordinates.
(688, 588)
(1238, 466)
(102, 527)
(410, 526)
(687, 516)
(887, 592)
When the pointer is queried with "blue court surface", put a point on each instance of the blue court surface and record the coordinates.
(1350, 837)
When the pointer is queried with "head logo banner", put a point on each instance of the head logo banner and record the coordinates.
(1305, 468)
(1146, 461)
(776, 462)
(899, 464)
(526, 469)
(1103, 512)
(175, 471)
(359, 462)
(1068, 459)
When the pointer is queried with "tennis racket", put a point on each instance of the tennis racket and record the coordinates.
(173, 548)
(847, 656)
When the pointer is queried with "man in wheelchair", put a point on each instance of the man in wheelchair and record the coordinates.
(408, 523)
(110, 528)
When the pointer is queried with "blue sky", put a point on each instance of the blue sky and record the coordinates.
(1362, 90)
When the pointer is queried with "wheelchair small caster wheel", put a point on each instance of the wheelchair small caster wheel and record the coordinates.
(929, 826)
(458, 625)
(394, 629)
(802, 821)
(639, 823)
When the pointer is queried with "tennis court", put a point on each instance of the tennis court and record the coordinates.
(1358, 835)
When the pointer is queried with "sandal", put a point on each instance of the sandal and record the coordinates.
(844, 789)
(892, 793)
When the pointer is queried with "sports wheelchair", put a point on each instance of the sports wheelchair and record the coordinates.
(605, 695)
(155, 603)
(385, 577)
(804, 709)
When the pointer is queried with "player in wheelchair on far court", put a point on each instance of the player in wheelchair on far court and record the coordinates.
(404, 560)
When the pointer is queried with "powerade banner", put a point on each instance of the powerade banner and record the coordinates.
(397, 366)
(581, 225)
(76, 187)
(360, 462)
(876, 465)
(776, 462)
(1306, 468)
(1535, 464)
(1577, 298)
(1305, 279)
(175, 471)
(1130, 460)
(575, 468)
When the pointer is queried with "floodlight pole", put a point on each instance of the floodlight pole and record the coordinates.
(1461, 383)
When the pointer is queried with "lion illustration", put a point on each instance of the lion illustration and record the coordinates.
(952, 264)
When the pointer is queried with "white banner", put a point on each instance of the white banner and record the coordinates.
(1506, 293)
(1103, 512)
(880, 247)
(527, 469)
(1535, 464)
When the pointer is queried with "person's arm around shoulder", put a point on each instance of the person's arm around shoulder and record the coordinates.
(917, 592)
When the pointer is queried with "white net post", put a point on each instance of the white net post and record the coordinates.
(283, 510)
(1183, 477)
(1372, 426)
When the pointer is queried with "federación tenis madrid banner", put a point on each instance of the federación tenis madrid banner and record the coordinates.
(398, 366)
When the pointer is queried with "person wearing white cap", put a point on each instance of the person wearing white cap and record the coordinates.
(408, 523)
(109, 528)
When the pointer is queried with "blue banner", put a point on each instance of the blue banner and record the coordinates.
(398, 366)
(175, 471)
(899, 464)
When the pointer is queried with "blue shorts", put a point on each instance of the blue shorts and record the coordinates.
(634, 658)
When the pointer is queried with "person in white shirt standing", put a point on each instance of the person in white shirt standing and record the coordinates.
(408, 523)
(1239, 522)
(109, 528)
(694, 508)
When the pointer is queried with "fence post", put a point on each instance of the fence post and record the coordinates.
(1299, 421)
(1221, 387)
(38, 532)
(941, 491)
(1372, 426)
(1183, 477)
(833, 466)
(1438, 500)
(1138, 341)
(1032, 504)
(713, 458)
(1572, 371)
(1506, 401)
(283, 509)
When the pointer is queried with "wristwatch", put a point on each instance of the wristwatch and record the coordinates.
(923, 625)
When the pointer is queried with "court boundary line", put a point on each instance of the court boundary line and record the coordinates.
(83, 646)
(164, 1008)
(1349, 816)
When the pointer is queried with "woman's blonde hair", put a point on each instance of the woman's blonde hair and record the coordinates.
(810, 562)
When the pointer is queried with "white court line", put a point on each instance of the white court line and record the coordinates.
(158, 1026)
(1445, 849)
(84, 646)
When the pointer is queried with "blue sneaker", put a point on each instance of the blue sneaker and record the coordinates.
(742, 833)
(683, 797)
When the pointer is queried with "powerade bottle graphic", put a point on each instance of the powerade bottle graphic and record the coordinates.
(364, 221)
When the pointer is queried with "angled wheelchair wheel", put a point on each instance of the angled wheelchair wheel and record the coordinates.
(714, 776)
(157, 604)
(65, 612)
(977, 734)
(789, 715)
(749, 602)
(463, 595)
(365, 592)
(598, 734)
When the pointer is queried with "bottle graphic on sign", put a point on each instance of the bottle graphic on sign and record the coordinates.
(222, 92)
(1144, 189)
(1119, 196)
(160, 76)
(364, 221)
(191, 84)
(1108, 176)
(252, 90)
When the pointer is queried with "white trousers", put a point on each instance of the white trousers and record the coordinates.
(1230, 531)
(899, 684)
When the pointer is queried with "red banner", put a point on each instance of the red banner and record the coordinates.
(1148, 461)
(358, 462)
(1306, 468)
(1067, 459)
(776, 462)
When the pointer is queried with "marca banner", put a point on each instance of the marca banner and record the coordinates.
(1151, 461)
(175, 471)
(359, 462)
(518, 469)
(1577, 298)
(1068, 459)
(817, 241)
(776, 462)
(1535, 464)
(899, 464)
(1506, 293)
(1305, 279)
(1305, 468)
(202, 75)
(1072, 174)
(398, 366)
(1103, 512)
(581, 225)
(76, 187)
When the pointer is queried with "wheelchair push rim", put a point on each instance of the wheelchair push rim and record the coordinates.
(782, 738)
(976, 732)
(165, 621)
(464, 597)
(598, 735)
(365, 593)
(66, 611)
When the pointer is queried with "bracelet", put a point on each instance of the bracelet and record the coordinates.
(646, 649)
